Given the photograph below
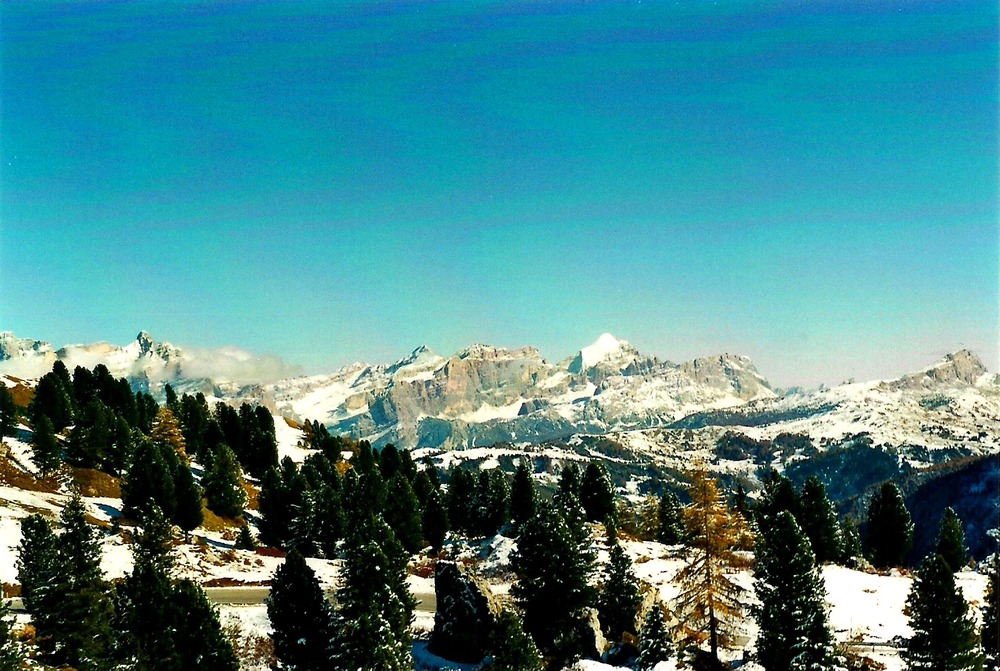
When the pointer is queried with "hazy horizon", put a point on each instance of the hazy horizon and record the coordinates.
(812, 186)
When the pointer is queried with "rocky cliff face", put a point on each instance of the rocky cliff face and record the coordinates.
(959, 368)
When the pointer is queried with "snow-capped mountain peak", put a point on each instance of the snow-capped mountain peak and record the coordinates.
(607, 352)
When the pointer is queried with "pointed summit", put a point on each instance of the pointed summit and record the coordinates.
(961, 367)
(145, 342)
(607, 352)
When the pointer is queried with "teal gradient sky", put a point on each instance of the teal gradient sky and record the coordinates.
(811, 184)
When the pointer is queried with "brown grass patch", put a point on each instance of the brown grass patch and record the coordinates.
(11, 475)
(21, 392)
(213, 522)
(92, 482)
(252, 495)
(10, 590)
(25, 634)
(292, 423)
(270, 552)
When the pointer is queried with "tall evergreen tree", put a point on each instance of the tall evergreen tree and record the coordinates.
(166, 433)
(850, 546)
(461, 487)
(402, 513)
(618, 600)
(150, 479)
(91, 438)
(794, 630)
(511, 649)
(301, 617)
(889, 532)
(990, 632)
(435, 521)
(171, 397)
(52, 399)
(523, 498)
(490, 502)
(596, 495)
(778, 495)
(951, 541)
(201, 642)
(38, 567)
(654, 641)
(223, 483)
(9, 412)
(552, 583)
(569, 481)
(944, 634)
(187, 511)
(330, 520)
(670, 528)
(245, 540)
(45, 451)
(710, 601)
(818, 521)
(10, 654)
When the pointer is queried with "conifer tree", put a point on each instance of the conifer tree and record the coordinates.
(245, 541)
(10, 654)
(890, 530)
(778, 495)
(150, 479)
(670, 529)
(402, 513)
(45, 451)
(301, 617)
(460, 491)
(523, 498)
(552, 583)
(710, 601)
(435, 521)
(389, 462)
(38, 567)
(171, 397)
(819, 521)
(9, 412)
(511, 649)
(330, 520)
(91, 438)
(52, 399)
(951, 541)
(850, 550)
(167, 434)
(654, 642)
(423, 486)
(794, 631)
(990, 632)
(569, 481)
(187, 511)
(200, 641)
(223, 483)
(618, 600)
(490, 502)
(118, 452)
(944, 635)
(376, 607)
(596, 495)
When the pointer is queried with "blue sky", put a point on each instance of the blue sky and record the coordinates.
(811, 184)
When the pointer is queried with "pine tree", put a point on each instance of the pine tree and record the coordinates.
(376, 607)
(710, 601)
(38, 566)
(654, 642)
(45, 451)
(9, 412)
(511, 649)
(118, 453)
(794, 632)
(569, 481)
(596, 495)
(200, 641)
(670, 529)
(91, 438)
(171, 397)
(944, 635)
(523, 498)
(166, 433)
(389, 462)
(10, 654)
(223, 483)
(990, 633)
(890, 530)
(850, 550)
(187, 511)
(330, 520)
(618, 600)
(149, 480)
(778, 495)
(490, 502)
(951, 541)
(819, 521)
(52, 400)
(402, 513)
(552, 582)
(460, 490)
(245, 539)
(301, 617)
(435, 521)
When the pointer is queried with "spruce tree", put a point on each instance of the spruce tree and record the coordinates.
(670, 529)
(944, 635)
(435, 521)
(45, 451)
(200, 640)
(460, 491)
(38, 567)
(330, 520)
(301, 617)
(850, 550)
(91, 437)
(778, 495)
(819, 521)
(150, 479)
(223, 483)
(245, 541)
(552, 583)
(951, 541)
(710, 603)
(402, 513)
(569, 481)
(794, 631)
(187, 511)
(490, 502)
(10, 654)
(889, 533)
(523, 498)
(618, 600)
(52, 400)
(990, 632)
(9, 412)
(654, 642)
(596, 495)
(511, 649)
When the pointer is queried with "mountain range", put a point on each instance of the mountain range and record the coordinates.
(483, 395)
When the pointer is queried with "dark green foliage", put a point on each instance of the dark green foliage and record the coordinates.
(153, 545)
(669, 529)
(569, 481)
(850, 542)
(951, 541)
(9, 412)
(79, 548)
(778, 496)
(402, 513)
(889, 533)
(318, 438)
(10, 654)
(187, 510)
(596, 495)
(258, 449)
(37, 564)
(301, 617)
(990, 633)
(523, 497)
(281, 498)
(195, 418)
(618, 599)
(245, 541)
(199, 639)
(52, 400)
(171, 397)
(119, 451)
(819, 521)
(376, 607)
(511, 649)
(654, 642)
(91, 437)
(145, 616)
(794, 632)
(435, 521)
(45, 451)
(490, 503)
(223, 483)
(552, 583)
(944, 635)
(389, 462)
(330, 520)
(423, 486)
(146, 409)
(460, 491)
(150, 479)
